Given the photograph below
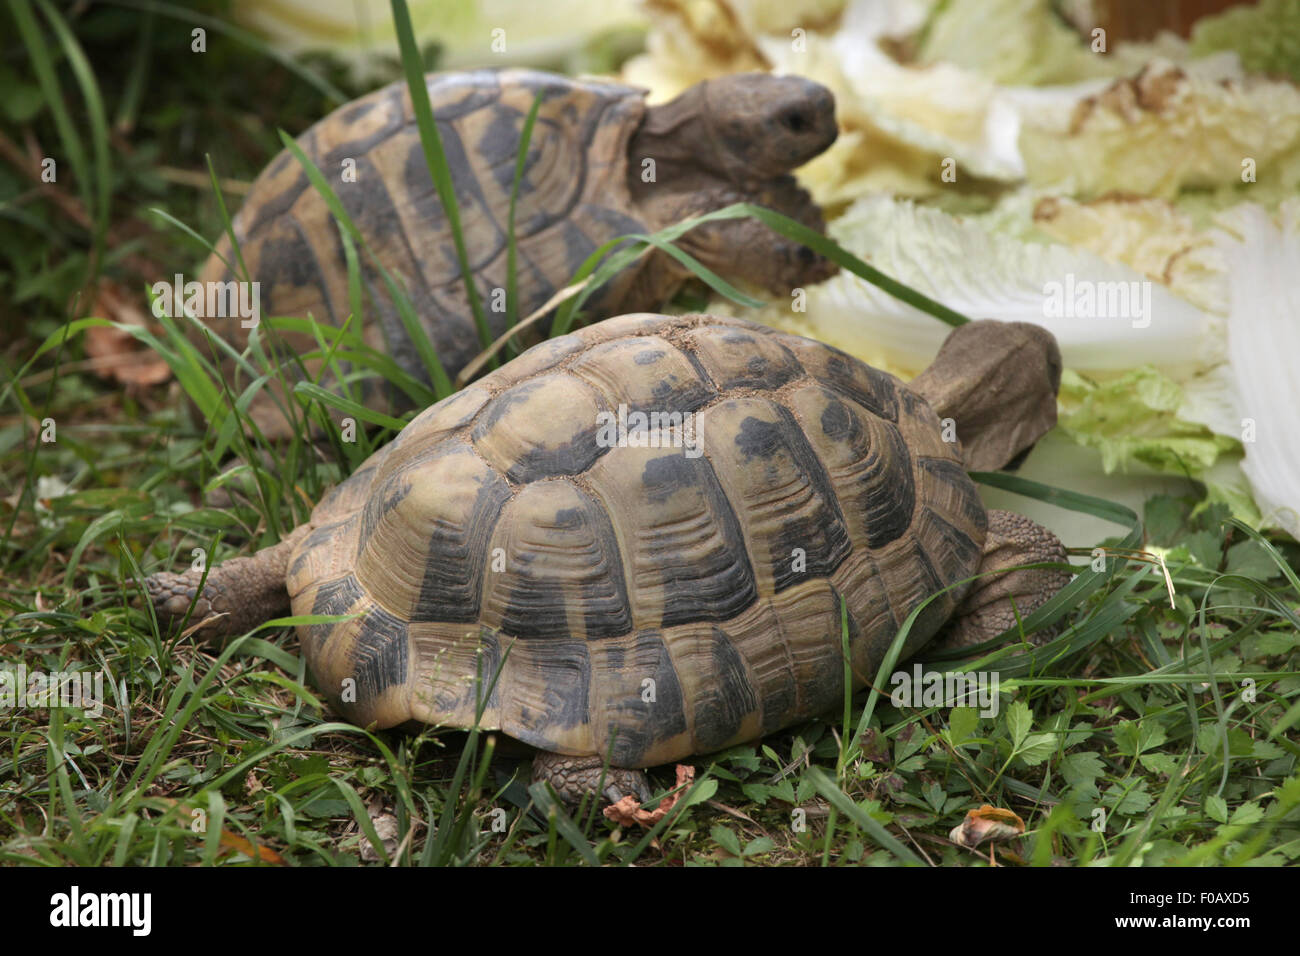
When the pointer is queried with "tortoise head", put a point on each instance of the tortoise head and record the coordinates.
(998, 381)
(741, 129)
(736, 139)
(762, 126)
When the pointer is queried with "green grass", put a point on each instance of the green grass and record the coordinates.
(1141, 733)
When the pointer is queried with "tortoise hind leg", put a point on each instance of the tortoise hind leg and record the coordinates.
(996, 598)
(246, 591)
(575, 777)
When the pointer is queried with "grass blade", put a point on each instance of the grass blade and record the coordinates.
(437, 160)
(512, 278)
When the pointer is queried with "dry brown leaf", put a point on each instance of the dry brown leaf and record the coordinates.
(231, 840)
(628, 812)
(116, 354)
(987, 823)
(253, 851)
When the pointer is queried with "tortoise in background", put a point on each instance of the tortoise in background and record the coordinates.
(600, 164)
(500, 529)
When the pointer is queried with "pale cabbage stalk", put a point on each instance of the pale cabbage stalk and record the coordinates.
(989, 275)
(1262, 254)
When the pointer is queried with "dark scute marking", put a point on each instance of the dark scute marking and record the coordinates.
(352, 113)
(855, 638)
(381, 501)
(760, 371)
(568, 683)
(420, 191)
(333, 597)
(822, 534)
(282, 159)
(577, 246)
(482, 682)
(700, 370)
(958, 552)
(484, 235)
(722, 585)
(682, 397)
(932, 618)
(608, 612)
(889, 504)
(372, 211)
(498, 147)
(290, 262)
(535, 288)
(496, 408)
(821, 681)
(837, 424)
(610, 221)
(379, 656)
(636, 724)
(571, 458)
(278, 205)
(955, 476)
(357, 149)
(648, 356)
(718, 716)
(322, 537)
(537, 609)
(913, 403)
(472, 205)
(779, 701)
(452, 590)
(878, 395)
(454, 95)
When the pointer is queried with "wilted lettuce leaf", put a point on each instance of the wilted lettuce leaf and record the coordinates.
(1133, 418)
(1168, 128)
(1266, 36)
(1014, 42)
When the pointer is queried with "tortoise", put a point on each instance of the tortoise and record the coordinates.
(600, 164)
(669, 588)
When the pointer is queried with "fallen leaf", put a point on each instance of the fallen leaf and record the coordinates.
(265, 854)
(987, 823)
(231, 840)
(628, 812)
(385, 825)
(115, 354)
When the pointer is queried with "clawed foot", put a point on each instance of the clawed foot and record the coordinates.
(575, 777)
(171, 596)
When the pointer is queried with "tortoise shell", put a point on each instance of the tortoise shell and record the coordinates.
(674, 600)
(573, 196)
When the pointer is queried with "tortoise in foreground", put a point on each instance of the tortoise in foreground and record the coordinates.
(600, 164)
(670, 590)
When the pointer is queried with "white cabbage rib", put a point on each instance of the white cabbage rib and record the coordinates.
(986, 275)
(1263, 262)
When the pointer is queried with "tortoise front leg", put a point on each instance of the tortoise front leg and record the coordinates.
(987, 609)
(575, 777)
(247, 591)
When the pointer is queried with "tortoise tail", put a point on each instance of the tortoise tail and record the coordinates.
(237, 596)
